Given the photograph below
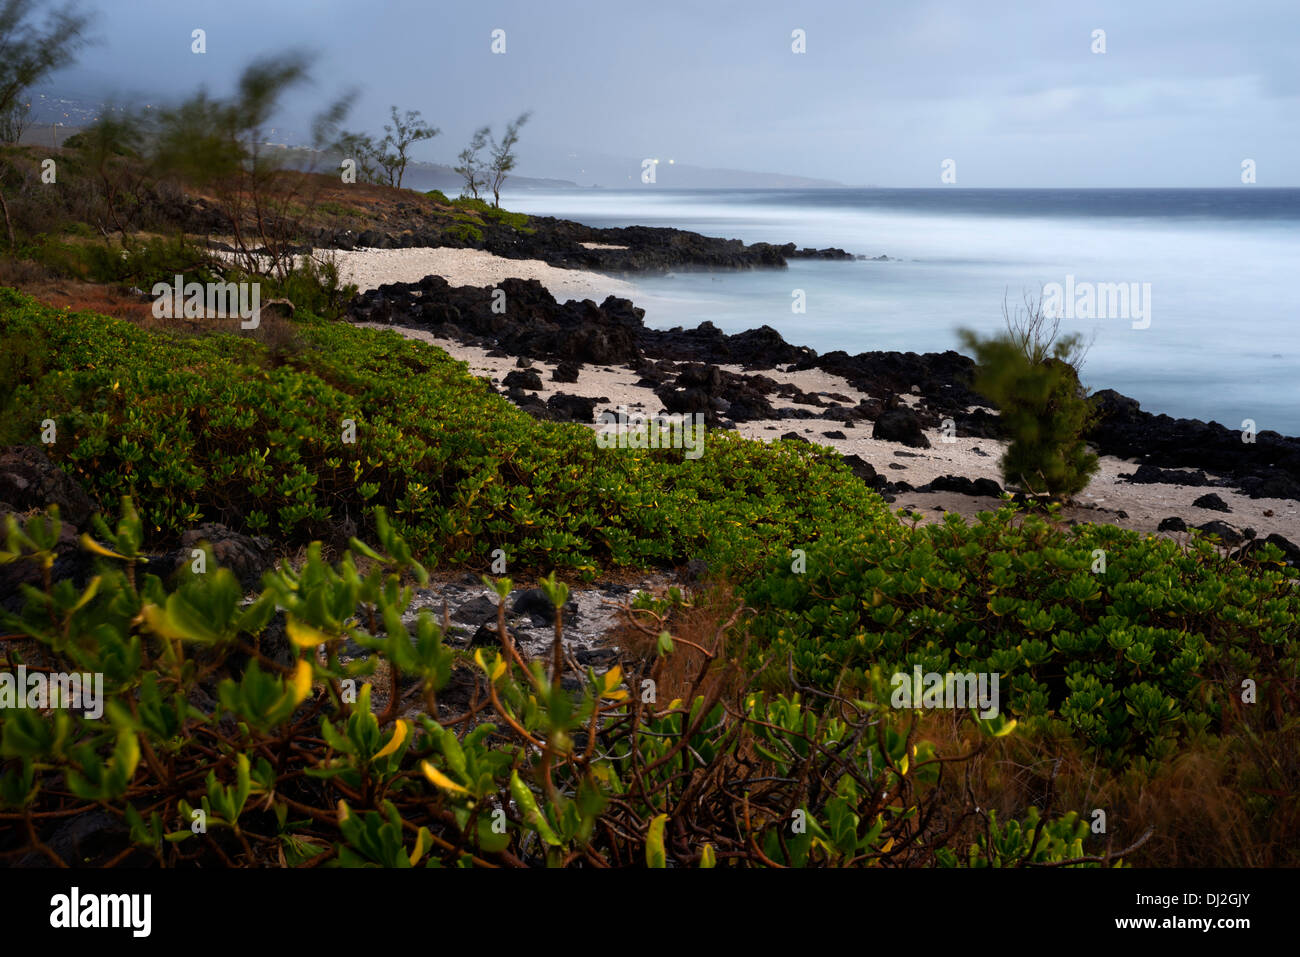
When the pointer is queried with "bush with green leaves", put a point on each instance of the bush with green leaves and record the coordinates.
(1033, 378)
(219, 428)
(210, 752)
(1132, 644)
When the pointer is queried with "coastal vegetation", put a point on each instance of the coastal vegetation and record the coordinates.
(1118, 651)
(315, 715)
(1032, 373)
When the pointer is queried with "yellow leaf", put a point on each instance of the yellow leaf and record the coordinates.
(301, 682)
(418, 851)
(160, 624)
(440, 779)
(91, 545)
(343, 810)
(88, 594)
(395, 742)
(498, 667)
(613, 677)
(304, 635)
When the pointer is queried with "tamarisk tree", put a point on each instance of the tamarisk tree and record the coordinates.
(29, 53)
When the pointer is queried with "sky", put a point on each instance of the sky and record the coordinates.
(1013, 93)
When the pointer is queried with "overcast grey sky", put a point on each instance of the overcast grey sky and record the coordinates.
(885, 92)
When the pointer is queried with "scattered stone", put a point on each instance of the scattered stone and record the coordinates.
(1150, 475)
(900, 425)
(1290, 551)
(1227, 534)
(249, 558)
(863, 470)
(964, 486)
(476, 611)
(1213, 502)
(596, 656)
(835, 434)
(523, 379)
(30, 480)
(533, 601)
(566, 371)
(696, 570)
(573, 408)
(1172, 524)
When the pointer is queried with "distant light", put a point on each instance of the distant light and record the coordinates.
(671, 162)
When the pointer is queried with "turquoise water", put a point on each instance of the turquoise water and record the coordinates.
(1223, 340)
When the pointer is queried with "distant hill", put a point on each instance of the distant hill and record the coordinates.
(58, 115)
(425, 176)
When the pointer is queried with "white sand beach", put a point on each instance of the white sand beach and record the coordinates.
(1143, 506)
(371, 268)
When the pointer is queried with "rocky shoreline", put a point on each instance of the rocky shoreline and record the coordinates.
(683, 367)
(618, 250)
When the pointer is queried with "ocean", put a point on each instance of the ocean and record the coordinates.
(1210, 328)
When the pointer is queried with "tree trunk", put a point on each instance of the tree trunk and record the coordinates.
(9, 227)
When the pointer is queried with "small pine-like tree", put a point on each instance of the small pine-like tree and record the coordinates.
(1033, 376)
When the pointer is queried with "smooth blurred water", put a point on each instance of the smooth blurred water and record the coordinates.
(1224, 338)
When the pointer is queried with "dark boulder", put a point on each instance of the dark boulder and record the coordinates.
(1226, 533)
(1150, 475)
(533, 601)
(249, 558)
(965, 486)
(1290, 551)
(1212, 502)
(1172, 524)
(573, 408)
(566, 371)
(30, 480)
(476, 611)
(900, 425)
(523, 379)
(864, 470)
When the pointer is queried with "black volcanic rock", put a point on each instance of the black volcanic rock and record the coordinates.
(1172, 524)
(864, 470)
(1212, 502)
(1270, 483)
(965, 486)
(523, 379)
(1264, 465)
(566, 371)
(1150, 475)
(1227, 534)
(248, 557)
(1290, 551)
(573, 408)
(900, 425)
(30, 480)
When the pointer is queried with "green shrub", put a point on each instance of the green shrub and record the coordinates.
(1033, 377)
(465, 230)
(219, 428)
(1130, 644)
(439, 197)
(486, 210)
(138, 263)
(210, 758)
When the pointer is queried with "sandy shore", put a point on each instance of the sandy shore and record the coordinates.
(1105, 498)
(371, 268)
